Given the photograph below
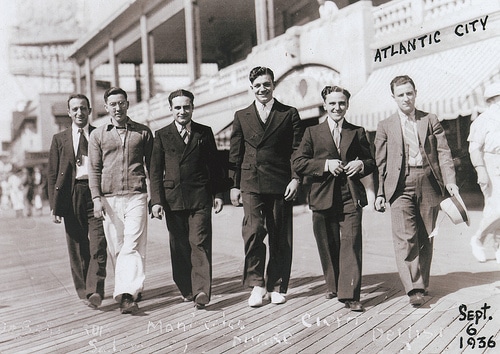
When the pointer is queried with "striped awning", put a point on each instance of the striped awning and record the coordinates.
(449, 83)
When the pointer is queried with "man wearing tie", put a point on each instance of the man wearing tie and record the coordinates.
(336, 155)
(70, 198)
(186, 181)
(265, 134)
(415, 169)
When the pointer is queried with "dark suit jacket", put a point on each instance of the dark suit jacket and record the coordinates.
(61, 172)
(317, 146)
(183, 176)
(391, 158)
(260, 158)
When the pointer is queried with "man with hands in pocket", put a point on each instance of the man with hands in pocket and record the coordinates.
(186, 182)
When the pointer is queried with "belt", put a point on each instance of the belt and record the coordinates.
(416, 166)
(82, 181)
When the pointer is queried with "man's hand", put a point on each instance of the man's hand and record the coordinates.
(452, 188)
(99, 211)
(353, 167)
(291, 189)
(380, 204)
(55, 218)
(218, 205)
(483, 179)
(335, 167)
(235, 195)
(157, 211)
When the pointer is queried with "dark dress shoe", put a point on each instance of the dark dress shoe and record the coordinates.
(330, 295)
(201, 300)
(354, 305)
(187, 298)
(128, 305)
(94, 300)
(139, 297)
(417, 299)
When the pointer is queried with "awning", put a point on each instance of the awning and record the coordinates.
(449, 83)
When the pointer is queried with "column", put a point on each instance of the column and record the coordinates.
(147, 58)
(114, 64)
(193, 38)
(89, 88)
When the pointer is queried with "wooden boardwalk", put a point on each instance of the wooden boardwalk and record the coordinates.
(40, 312)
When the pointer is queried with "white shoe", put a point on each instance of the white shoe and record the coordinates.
(256, 297)
(478, 250)
(277, 298)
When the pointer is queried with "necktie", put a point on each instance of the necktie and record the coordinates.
(336, 136)
(83, 146)
(263, 113)
(411, 139)
(184, 135)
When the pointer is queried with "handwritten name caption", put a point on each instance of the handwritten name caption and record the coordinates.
(477, 317)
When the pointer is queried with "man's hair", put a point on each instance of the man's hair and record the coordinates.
(80, 96)
(114, 91)
(329, 89)
(180, 92)
(401, 80)
(259, 71)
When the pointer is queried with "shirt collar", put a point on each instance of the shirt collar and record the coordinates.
(332, 124)
(267, 106)
(130, 123)
(179, 127)
(404, 117)
(75, 129)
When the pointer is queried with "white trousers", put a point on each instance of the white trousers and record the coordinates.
(125, 226)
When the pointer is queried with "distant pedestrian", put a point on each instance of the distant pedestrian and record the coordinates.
(186, 182)
(16, 192)
(70, 199)
(120, 153)
(484, 149)
(415, 170)
(39, 185)
(265, 135)
(335, 155)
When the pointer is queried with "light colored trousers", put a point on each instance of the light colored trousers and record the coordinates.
(125, 226)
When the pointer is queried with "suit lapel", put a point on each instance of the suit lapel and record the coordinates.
(395, 130)
(422, 124)
(194, 137)
(253, 120)
(325, 137)
(346, 139)
(68, 146)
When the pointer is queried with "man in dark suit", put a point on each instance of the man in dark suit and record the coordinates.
(415, 169)
(335, 155)
(69, 196)
(186, 181)
(265, 134)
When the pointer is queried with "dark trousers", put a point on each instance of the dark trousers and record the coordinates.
(414, 211)
(191, 249)
(86, 244)
(267, 214)
(339, 240)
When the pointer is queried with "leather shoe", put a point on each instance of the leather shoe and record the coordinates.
(277, 298)
(256, 297)
(354, 305)
(478, 250)
(139, 297)
(417, 299)
(201, 300)
(330, 295)
(128, 305)
(187, 298)
(94, 300)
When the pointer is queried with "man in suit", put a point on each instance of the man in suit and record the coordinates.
(185, 184)
(336, 155)
(69, 196)
(415, 169)
(265, 134)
